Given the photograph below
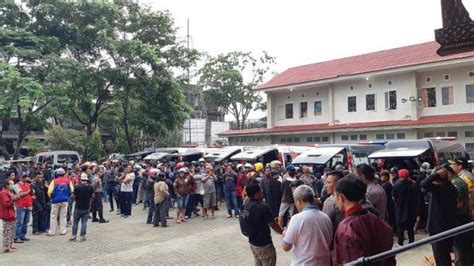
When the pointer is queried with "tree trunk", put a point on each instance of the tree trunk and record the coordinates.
(125, 124)
(21, 137)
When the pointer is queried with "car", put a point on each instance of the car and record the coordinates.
(57, 157)
(410, 154)
(330, 155)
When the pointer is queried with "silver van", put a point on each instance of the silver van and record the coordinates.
(57, 157)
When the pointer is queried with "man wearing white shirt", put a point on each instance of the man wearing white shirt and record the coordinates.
(126, 190)
(309, 232)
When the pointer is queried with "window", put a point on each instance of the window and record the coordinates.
(447, 95)
(429, 97)
(309, 139)
(317, 139)
(296, 140)
(289, 140)
(318, 108)
(380, 136)
(363, 137)
(470, 93)
(390, 100)
(453, 134)
(400, 135)
(325, 139)
(352, 104)
(344, 137)
(281, 112)
(370, 102)
(469, 134)
(470, 146)
(289, 111)
(440, 134)
(283, 140)
(390, 136)
(303, 109)
(354, 137)
(429, 134)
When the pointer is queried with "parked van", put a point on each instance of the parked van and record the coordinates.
(256, 155)
(185, 155)
(410, 154)
(328, 156)
(222, 155)
(286, 154)
(57, 157)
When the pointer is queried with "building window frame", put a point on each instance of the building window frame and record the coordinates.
(303, 109)
(289, 111)
(374, 105)
(429, 97)
(469, 93)
(447, 95)
(316, 104)
(390, 100)
(352, 104)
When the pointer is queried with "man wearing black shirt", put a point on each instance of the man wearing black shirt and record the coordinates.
(442, 211)
(261, 219)
(82, 194)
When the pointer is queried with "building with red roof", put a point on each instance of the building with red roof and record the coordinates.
(402, 93)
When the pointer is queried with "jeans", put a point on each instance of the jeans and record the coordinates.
(169, 204)
(126, 198)
(151, 210)
(231, 202)
(240, 203)
(47, 217)
(83, 216)
(39, 221)
(69, 209)
(113, 195)
(182, 202)
(190, 205)
(160, 214)
(22, 220)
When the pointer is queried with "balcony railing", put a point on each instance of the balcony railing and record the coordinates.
(249, 124)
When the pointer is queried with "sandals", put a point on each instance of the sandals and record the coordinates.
(9, 250)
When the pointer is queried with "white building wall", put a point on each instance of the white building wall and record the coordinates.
(457, 78)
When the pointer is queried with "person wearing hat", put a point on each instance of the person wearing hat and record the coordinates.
(182, 193)
(405, 199)
(462, 181)
(83, 193)
(442, 210)
(24, 206)
(59, 191)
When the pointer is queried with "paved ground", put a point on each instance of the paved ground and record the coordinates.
(131, 241)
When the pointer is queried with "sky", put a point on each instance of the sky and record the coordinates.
(301, 32)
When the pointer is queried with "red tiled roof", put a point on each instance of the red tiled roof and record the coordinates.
(424, 120)
(418, 54)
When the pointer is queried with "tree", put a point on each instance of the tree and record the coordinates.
(28, 74)
(117, 56)
(223, 78)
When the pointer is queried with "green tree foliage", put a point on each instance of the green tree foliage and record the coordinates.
(95, 147)
(230, 81)
(67, 139)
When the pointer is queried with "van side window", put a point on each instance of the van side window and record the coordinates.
(40, 159)
(49, 159)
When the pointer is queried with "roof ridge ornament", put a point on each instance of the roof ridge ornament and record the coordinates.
(457, 34)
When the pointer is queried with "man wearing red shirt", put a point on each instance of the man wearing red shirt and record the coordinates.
(360, 233)
(24, 206)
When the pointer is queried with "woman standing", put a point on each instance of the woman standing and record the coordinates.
(181, 187)
(7, 214)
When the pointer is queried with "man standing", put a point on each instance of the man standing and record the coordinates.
(23, 209)
(309, 232)
(287, 201)
(230, 183)
(160, 200)
(59, 190)
(39, 204)
(462, 243)
(406, 207)
(82, 195)
(261, 219)
(360, 234)
(126, 191)
(442, 211)
(97, 205)
(330, 206)
(375, 194)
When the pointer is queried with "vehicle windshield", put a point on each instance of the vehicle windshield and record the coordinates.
(67, 158)
(412, 144)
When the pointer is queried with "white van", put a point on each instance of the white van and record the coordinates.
(57, 157)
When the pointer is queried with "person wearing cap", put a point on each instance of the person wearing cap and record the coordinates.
(97, 205)
(83, 193)
(442, 210)
(60, 190)
(461, 166)
(160, 200)
(462, 181)
(405, 199)
(24, 206)
(182, 193)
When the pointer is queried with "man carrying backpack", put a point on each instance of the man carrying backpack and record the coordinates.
(256, 220)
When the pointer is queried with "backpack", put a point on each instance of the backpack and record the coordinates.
(246, 225)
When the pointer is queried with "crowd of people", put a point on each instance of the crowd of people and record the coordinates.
(326, 218)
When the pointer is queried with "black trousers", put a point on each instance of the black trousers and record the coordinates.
(126, 207)
(401, 228)
(441, 252)
(160, 214)
(113, 195)
(462, 249)
(39, 222)
(97, 207)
